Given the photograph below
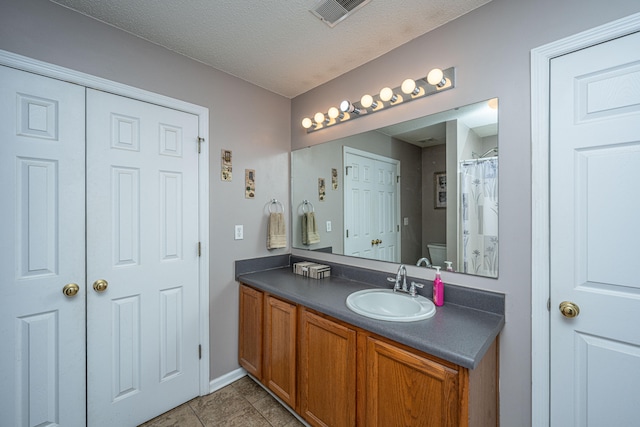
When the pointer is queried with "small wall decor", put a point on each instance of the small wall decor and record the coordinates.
(440, 190)
(334, 178)
(249, 183)
(321, 189)
(226, 173)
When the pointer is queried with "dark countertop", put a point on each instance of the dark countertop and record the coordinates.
(456, 333)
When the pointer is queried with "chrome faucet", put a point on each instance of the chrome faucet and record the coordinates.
(402, 275)
(426, 261)
(402, 286)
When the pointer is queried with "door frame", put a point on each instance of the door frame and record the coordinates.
(540, 250)
(24, 63)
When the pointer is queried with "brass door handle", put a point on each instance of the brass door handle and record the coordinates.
(70, 289)
(100, 285)
(569, 309)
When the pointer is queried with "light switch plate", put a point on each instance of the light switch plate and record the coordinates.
(328, 226)
(239, 232)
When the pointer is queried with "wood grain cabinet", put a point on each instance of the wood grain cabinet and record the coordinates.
(279, 367)
(327, 371)
(400, 386)
(250, 337)
(334, 374)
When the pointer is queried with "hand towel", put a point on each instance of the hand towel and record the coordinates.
(309, 229)
(276, 231)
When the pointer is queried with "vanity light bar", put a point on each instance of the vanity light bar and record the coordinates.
(436, 81)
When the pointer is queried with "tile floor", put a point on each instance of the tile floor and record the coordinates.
(240, 404)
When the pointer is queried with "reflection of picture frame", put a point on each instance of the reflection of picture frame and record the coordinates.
(440, 190)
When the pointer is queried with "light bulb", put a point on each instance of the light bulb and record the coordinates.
(436, 77)
(409, 87)
(306, 123)
(318, 118)
(493, 103)
(386, 94)
(333, 113)
(367, 101)
(348, 107)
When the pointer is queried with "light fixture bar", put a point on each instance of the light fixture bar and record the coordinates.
(387, 98)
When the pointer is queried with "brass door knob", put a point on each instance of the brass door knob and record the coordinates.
(569, 309)
(70, 289)
(378, 241)
(100, 285)
(373, 242)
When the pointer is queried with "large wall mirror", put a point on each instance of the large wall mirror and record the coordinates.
(422, 192)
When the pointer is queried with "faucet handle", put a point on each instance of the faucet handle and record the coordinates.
(412, 291)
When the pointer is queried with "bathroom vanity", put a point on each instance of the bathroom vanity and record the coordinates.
(337, 368)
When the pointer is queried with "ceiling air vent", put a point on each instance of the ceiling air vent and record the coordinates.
(333, 11)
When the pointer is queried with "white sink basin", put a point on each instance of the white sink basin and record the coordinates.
(384, 304)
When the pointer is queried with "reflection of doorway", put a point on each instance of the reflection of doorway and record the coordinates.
(371, 206)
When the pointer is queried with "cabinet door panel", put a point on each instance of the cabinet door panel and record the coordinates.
(250, 339)
(327, 372)
(280, 349)
(404, 389)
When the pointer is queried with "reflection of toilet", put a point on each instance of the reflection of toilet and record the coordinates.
(437, 253)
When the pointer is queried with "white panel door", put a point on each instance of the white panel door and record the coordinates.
(595, 208)
(142, 234)
(359, 206)
(42, 360)
(387, 218)
(371, 206)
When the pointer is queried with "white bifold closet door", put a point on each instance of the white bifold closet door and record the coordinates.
(126, 209)
(42, 223)
(142, 239)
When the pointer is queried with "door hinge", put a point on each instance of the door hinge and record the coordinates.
(347, 233)
(200, 141)
(397, 179)
(199, 351)
(398, 227)
(199, 249)
(549, 304)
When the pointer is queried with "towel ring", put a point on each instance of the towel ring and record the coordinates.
(277, 203)
(307, 205)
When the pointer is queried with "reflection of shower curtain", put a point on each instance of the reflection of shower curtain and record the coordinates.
(479, 216)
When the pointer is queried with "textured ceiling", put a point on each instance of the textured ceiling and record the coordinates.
(276, 44)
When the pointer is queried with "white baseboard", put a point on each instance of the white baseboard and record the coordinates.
(226, 379)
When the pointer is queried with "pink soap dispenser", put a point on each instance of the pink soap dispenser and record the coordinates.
(438, 288)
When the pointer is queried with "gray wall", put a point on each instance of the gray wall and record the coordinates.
(490, 48)
(251, 121)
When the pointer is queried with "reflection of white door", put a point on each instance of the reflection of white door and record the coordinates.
(142, 236)
(594, 199)
(42, 360)
(371, 206)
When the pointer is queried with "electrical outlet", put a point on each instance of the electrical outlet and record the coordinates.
(406, 221)
(239, 233)
(328, 226)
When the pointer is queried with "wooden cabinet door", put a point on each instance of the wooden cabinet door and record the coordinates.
(250, 332)
(280, 349)
(327, 370)
(405, 389)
